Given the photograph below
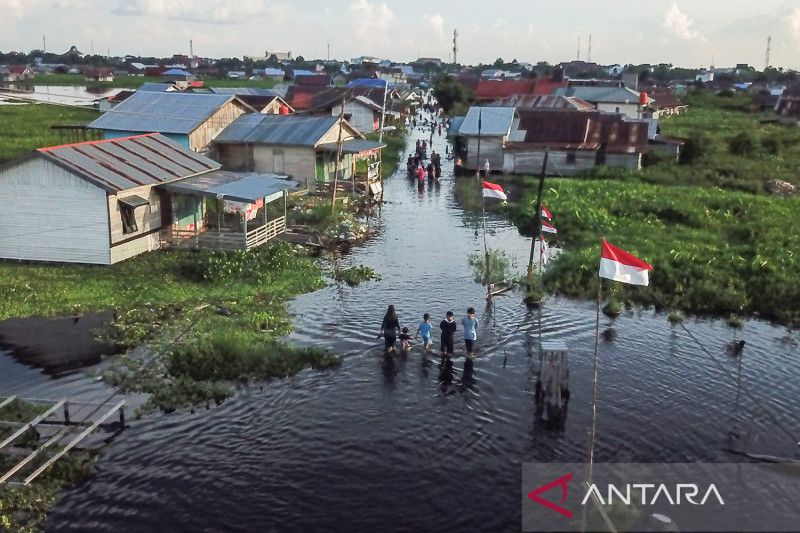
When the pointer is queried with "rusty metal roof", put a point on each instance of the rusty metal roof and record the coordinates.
(120, 164)
(527, 101)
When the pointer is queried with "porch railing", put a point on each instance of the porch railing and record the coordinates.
(264, 233)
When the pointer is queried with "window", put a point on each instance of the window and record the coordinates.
(570, 158)
(154, 207)
(128, 219)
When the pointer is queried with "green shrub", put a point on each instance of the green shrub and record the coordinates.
(742, 144)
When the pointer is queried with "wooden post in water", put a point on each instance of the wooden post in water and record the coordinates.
(478, 154)
(336, 164)
(537, 217)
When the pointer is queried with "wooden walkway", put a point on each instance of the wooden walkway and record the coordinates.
(52, 433)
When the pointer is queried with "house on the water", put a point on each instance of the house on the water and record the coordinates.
(300, 146)
(609, 99)
(192, 120)
(577, 141)
(99, 74)
(100, 202)
(16, 73)
(489, 127)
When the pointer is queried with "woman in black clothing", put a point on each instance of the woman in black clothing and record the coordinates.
(389, 328)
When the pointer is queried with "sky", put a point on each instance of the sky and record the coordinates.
(688, 33)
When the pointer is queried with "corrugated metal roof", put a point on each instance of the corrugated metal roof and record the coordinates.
(290, 130)
(176, 72)
(525, 101)
(369, 82)
(495, 121)
(354, 146)
(242, 187)
(601, 94)
(244, 91)
(156, 87)
(455, 126)
(178, 113)
(119, 164)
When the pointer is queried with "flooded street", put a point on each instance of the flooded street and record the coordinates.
(394, 444)
(55, 94)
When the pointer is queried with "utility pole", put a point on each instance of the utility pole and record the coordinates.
(478, 155)
(336, 164)
(537, 217)
(44, 44)
(579, 47)
(191, 51)
(329, 52)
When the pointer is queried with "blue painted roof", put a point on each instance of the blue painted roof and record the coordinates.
(614, 95)
(174, 112)
(495, 121)
(176, 72)
(273, 72)
(367, 82)
(244, 91)
(300, 72)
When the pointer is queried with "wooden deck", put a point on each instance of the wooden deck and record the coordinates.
(225, 240)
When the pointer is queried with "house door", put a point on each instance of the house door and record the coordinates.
(165, 201)
(278, 162)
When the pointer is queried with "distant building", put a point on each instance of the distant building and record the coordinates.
(14, 73)
(274, 74)
(614, 70)
(282, 56)
(705, 76)
(99, 74)
(609, 99)
(430, 61)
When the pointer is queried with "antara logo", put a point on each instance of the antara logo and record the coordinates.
(648, 494)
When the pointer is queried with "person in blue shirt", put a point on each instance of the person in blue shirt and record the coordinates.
(424, 330)
(470, 323)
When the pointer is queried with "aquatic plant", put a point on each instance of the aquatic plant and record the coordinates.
(734, 321)
(355, 275)
(501, 267)
(675, 317)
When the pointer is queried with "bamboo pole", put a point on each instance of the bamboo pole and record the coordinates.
(487, 277)
(478, 154)
(590, 468)
(336, 164)
(537, 217)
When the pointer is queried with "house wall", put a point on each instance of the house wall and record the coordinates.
(361, 117)
(236, 157)
(296, 161)
(529, 161)
(628, 161)
(49, 214)
(631, 110)
(491, 149)
(183, 140)
(148, 222)
(201, 137)
(272, 108)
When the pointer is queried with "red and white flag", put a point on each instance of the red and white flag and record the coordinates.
(545, 213)
(548, 228)
(493, 190)
(619, 265)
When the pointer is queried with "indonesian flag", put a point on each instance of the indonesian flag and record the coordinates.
(548, 228)
(493, 190)
(619, 265)
(546, 214)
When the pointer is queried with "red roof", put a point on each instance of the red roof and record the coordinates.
(18, 69)
(495, 89)
(302, 97)
(320, 79)
(196, 83)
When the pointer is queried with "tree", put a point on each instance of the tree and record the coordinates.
(499, 62)
(742, 144)
(450, 93)
(694, 148)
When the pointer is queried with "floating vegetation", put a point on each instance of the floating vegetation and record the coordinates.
(676, 317)
(502, 268)
(355, 275)
(735, 321)
(612, 308)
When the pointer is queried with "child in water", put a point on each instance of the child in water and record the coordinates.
(405, 336)
(424, 329)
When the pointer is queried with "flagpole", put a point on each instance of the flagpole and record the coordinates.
(485, 247)
(478, 155)
(590, 470)
(537, 217)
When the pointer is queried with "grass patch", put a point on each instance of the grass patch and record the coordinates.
(713, 251)
(27, 127)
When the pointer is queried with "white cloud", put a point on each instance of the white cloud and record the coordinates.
(794, 23)
(436, 22)
(373, 22)
(11, 8)
(212, 11)
(681, 25)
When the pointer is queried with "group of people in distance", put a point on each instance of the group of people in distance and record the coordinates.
(391, 332)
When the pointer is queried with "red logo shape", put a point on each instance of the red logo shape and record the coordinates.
(562, 482)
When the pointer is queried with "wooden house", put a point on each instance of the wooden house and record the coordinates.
(486, 130)
(264, 101)
(190, 119)
(620, 100)
(577, 141)
(101, 202)
(99, 74)
(361, 112)
(14, 73)
(300, 146)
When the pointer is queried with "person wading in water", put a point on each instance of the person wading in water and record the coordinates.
(448, 327)
(389, 328)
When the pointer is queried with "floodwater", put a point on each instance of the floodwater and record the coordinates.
(55, 94)
(394, 444)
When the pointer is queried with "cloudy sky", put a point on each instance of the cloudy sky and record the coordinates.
(683, 32)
